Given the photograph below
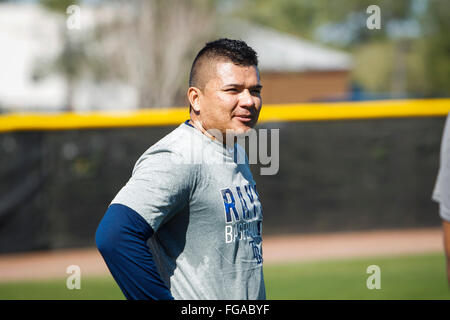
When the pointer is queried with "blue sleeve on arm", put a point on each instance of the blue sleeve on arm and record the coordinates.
(121, 238)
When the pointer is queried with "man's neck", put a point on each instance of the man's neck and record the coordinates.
(198, 125)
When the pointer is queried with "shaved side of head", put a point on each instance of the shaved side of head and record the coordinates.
(204, 70)
(222, 50)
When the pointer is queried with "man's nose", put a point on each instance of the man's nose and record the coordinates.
(246, 99)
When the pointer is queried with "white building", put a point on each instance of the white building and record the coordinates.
(30, 39)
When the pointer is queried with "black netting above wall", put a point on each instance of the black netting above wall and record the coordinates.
(353, 175)
(333, 176)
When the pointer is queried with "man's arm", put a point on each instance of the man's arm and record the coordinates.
(446, 230)
(121, 238)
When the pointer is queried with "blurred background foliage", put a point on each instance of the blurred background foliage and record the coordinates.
(149, 44)
(409, 55)
(152, 42)
(146, 43)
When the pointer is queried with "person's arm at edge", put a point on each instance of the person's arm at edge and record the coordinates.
(121, 238)
(446, 231)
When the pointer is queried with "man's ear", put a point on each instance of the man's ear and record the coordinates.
(194, 98)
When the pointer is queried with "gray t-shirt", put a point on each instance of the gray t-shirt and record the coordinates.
(441, 192)
(202, 203)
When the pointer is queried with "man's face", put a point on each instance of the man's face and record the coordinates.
(231, 99)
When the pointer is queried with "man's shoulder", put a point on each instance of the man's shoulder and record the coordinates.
(174, 140)
(175, 147)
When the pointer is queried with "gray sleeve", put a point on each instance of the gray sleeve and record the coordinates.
(158, 188)
(441, 192)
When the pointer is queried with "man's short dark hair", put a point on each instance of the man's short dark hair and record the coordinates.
(236, 51)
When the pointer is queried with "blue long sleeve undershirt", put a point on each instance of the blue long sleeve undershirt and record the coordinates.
(121, 238)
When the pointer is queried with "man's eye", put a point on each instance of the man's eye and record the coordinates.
(256, 91)
(232, 90)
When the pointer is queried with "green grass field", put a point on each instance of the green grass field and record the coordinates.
(403, 277)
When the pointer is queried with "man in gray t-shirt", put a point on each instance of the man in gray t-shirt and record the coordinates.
(441, 192)
(192, 195)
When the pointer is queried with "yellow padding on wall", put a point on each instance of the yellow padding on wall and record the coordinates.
(269, 113)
